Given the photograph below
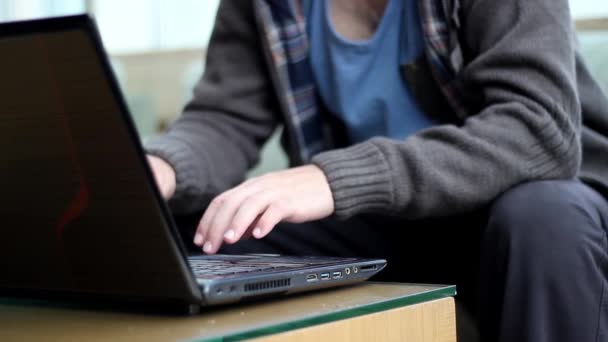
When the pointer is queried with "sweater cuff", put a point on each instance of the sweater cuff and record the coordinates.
(359, 178)
(188, 176)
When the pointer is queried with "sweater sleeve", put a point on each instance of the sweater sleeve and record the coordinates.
(218, 136)
(521, 68)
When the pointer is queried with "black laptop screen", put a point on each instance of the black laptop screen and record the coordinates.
(76, 204)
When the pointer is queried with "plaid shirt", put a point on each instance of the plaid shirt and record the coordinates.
(284, 25)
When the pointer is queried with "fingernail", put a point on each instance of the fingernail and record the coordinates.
(257, 232)
(198, 239)
(207, 247)
(229, 234)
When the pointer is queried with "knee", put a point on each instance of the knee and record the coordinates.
(540, 218)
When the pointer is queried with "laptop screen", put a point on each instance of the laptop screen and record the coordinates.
(78, 209)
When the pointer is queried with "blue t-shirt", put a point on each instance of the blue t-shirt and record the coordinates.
(360, 81)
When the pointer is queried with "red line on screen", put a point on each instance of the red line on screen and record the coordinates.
(80, 201)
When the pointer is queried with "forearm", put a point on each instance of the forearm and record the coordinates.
(442, 171)
(233, 112)
(527, 125)
(206, 160)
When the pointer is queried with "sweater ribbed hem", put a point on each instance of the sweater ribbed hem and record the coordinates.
(359, 178)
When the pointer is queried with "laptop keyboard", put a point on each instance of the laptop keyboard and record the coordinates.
(218, 266)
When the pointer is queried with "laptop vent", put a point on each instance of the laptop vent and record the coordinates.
(265, 285)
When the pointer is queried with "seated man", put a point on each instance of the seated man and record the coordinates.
(464, 141)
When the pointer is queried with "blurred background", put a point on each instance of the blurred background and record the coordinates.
(157, 49)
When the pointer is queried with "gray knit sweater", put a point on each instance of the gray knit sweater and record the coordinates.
(540, 116)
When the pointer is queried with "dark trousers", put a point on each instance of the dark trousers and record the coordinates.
(533, 266)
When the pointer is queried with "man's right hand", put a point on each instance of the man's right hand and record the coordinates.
(164, 175)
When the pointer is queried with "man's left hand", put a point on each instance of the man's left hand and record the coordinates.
(295, 195)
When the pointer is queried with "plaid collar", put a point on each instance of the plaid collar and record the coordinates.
(284, 27)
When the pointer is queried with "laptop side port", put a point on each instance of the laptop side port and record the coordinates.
(336, 275)
(312, 277)
(368, 268)
(324, 276)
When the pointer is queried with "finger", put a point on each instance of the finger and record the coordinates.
(218, 225)
(210, 212)
(269, 219)
(212, 209)
(249, 232)
(201, 229)
(222, 221)
(246, 215)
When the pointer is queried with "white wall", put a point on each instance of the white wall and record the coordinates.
(143, 25)
(588, 8)
(131, 25)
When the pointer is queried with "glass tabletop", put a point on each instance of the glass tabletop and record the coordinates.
(228, 323)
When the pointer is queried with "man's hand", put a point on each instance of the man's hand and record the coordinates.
(253, 208)
(164, 175)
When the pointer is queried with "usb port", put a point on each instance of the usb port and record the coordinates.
(311, 278)
(336, 275)
(324, 276)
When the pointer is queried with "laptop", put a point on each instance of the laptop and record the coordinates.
(82, 217)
